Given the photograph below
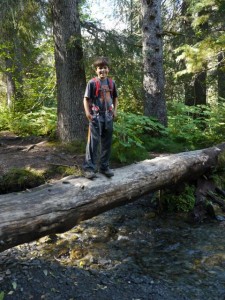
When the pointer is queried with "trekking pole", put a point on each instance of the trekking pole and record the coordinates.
(97, 116)
(104, 93)
(100, 133)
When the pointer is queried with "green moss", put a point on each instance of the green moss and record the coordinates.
(20, 179)
(62, 171)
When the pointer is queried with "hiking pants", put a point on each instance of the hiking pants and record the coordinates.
(98, 137)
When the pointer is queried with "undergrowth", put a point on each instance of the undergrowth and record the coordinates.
(40, 122)
(182, 202)
(135, 135)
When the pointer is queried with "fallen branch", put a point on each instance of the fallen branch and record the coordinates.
(30, 148)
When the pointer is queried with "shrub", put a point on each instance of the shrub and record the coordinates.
(130, 130)
(184, 202)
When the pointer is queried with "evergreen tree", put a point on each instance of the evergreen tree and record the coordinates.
(205, 43)
(20, 29)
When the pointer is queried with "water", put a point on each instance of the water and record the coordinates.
(189, 258)
(135, 246)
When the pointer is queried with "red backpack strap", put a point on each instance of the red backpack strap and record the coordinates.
(110, 82)
(97, 86)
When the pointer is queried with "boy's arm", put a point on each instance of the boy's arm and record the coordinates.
(87, 108)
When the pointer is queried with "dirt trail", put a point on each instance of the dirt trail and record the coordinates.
(34, 153)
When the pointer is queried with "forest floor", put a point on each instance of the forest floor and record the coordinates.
(103, 258)
(34, 153)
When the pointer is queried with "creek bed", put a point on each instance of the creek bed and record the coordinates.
(127, 253)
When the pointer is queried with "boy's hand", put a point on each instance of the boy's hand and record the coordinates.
(89, 116)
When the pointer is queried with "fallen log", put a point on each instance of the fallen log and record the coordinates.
(56, 208)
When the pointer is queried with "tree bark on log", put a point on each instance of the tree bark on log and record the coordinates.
(56, 208)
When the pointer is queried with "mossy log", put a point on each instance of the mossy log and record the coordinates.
(56, 208)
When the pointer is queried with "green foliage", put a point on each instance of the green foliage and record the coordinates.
(214, 132)
(194, 57)
(196, 126)
(2, 294)
(206, 18)
(195, 38)
(27, 54)
(184, 202)
(19, 179)
(41, 122)
(190, 127)
(184, 128)
(5, 119)
(39, 84)
(129, 133)
(163, 144)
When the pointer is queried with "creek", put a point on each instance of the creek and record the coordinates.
(129, 252)
(189, 258)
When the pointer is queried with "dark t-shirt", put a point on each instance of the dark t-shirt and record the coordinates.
(105, 97)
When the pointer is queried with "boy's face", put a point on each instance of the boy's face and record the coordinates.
(102, 72)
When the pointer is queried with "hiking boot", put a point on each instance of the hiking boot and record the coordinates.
(89, 174)
(107, 172)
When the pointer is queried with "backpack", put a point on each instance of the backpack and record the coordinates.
(97, 86)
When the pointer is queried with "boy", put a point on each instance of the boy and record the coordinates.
(100, 105)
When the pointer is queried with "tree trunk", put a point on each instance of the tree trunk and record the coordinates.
(14, 74)
(221, 76)
(195, 90)
(10, 84)
(200, 88)
(189, 94)
(69, 70)
(18, 73)
(195, 84)
(153, 81)
(56, 208)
